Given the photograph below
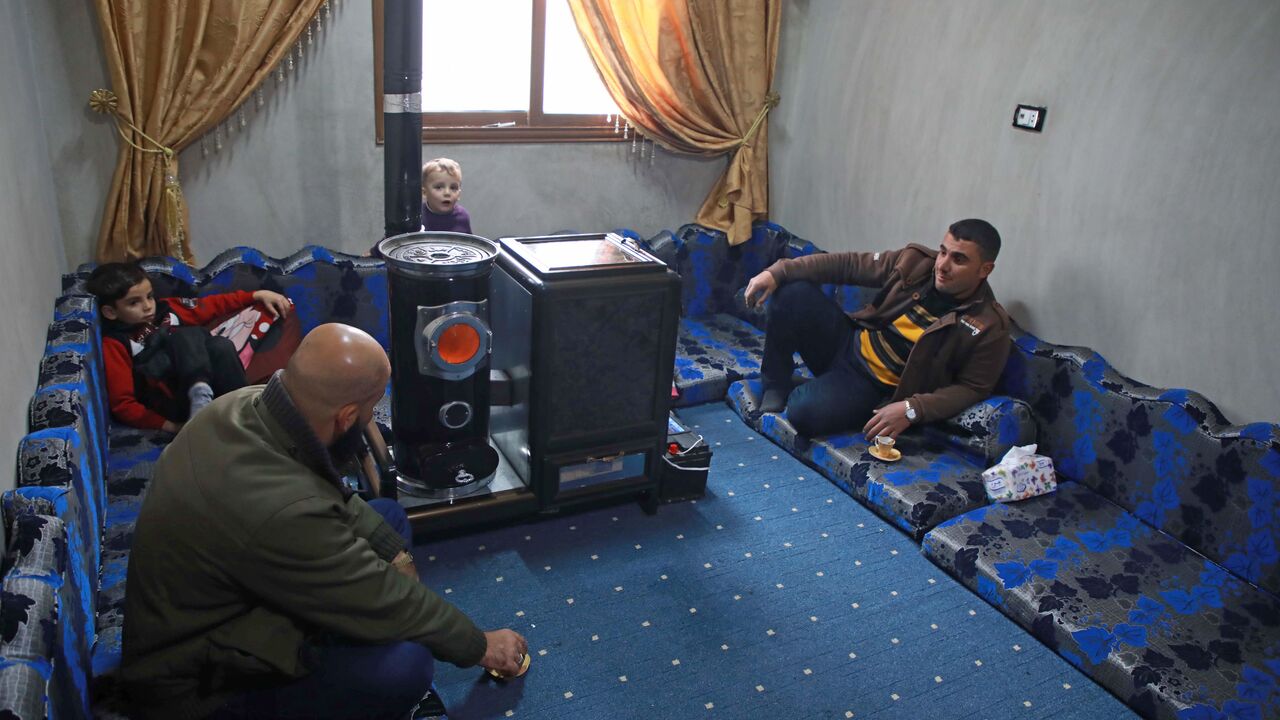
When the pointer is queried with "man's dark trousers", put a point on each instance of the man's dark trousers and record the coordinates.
(349, 681)
(843, 395)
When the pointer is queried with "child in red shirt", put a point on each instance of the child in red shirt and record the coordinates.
(162, 366)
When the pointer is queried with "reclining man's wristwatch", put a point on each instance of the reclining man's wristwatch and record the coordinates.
(911, 412)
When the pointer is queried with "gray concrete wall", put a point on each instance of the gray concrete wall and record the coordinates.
(306, 168)
(30, 233)
(82, 144)
(1144, 222)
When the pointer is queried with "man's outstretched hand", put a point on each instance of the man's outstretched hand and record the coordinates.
(889, 420)
(504, 652)
(760, 288)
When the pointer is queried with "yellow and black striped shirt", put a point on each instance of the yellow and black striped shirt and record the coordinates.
(884, 352)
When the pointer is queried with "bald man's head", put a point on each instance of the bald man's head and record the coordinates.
(335, 377)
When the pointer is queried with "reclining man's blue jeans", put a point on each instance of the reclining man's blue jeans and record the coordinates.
(843, 395)
(349, 681)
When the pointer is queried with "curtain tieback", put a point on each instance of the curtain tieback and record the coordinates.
(770, 102)
(105, 102)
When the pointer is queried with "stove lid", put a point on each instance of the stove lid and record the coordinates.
(443, 253)
(583, 253)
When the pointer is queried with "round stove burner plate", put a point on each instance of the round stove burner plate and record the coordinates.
(440, 252)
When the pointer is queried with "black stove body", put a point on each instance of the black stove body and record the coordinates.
(585, 328)
(441, 348)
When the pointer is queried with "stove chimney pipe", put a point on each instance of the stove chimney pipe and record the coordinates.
(402, 115)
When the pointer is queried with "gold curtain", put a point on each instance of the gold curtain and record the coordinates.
(180, 67)
(696, 76)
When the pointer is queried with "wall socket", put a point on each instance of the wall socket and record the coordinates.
(1029, 117)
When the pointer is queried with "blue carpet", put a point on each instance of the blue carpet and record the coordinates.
(775, 596)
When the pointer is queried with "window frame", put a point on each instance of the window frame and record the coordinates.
(535, 126)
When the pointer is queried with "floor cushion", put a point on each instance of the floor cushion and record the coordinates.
(713, 352)
(932, 482)
(1167, 630)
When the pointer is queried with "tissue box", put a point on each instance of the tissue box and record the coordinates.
(1019, 475)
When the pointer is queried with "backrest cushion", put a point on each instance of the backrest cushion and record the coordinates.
(1168, 456)
(45, 627)
(325, 286)
(711, 270)
(53, 479)
(987, 429)
(72, 361)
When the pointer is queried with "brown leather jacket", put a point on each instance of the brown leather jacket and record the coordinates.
(959, 358)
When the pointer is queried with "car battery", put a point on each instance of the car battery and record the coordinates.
(685, 464)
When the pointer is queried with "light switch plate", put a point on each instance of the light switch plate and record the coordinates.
(1029, 117)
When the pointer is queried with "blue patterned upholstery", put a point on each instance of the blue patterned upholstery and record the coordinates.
(712, 352)
(44, 655)
(24, 691)
(53, 466)
(84, 307)
(133, 454)
(72, 365)
(1167, 456)
(1154, 567)
(65, 406)
(988, 428)
(721, 339)
(938, 477)
(711, 270)
(325, 286)
(1165, 629)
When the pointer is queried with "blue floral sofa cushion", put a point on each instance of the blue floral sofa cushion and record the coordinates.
(712, 352)
(721, 339)
(1172, 633)
(325, 286)
(1167, 456)
(987, 429)
(938, 477)
(711, 270)
(716, 345)
(56, 478)
(46, 617)
(72, 365)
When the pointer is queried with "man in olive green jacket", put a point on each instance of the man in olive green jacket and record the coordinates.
(933, 341)
(258, 585)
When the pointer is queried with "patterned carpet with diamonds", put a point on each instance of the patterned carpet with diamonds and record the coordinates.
(775, 596)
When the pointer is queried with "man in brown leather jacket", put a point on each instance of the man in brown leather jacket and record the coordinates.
(933, 342)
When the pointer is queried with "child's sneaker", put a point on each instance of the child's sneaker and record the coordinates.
(200, 394)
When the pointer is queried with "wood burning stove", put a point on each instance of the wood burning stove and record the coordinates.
(438, 286)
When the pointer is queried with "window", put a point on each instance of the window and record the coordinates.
(504, 71)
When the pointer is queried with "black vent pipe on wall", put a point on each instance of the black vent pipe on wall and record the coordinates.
(402, 115)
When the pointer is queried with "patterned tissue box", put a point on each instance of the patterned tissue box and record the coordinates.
(1020, 474)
